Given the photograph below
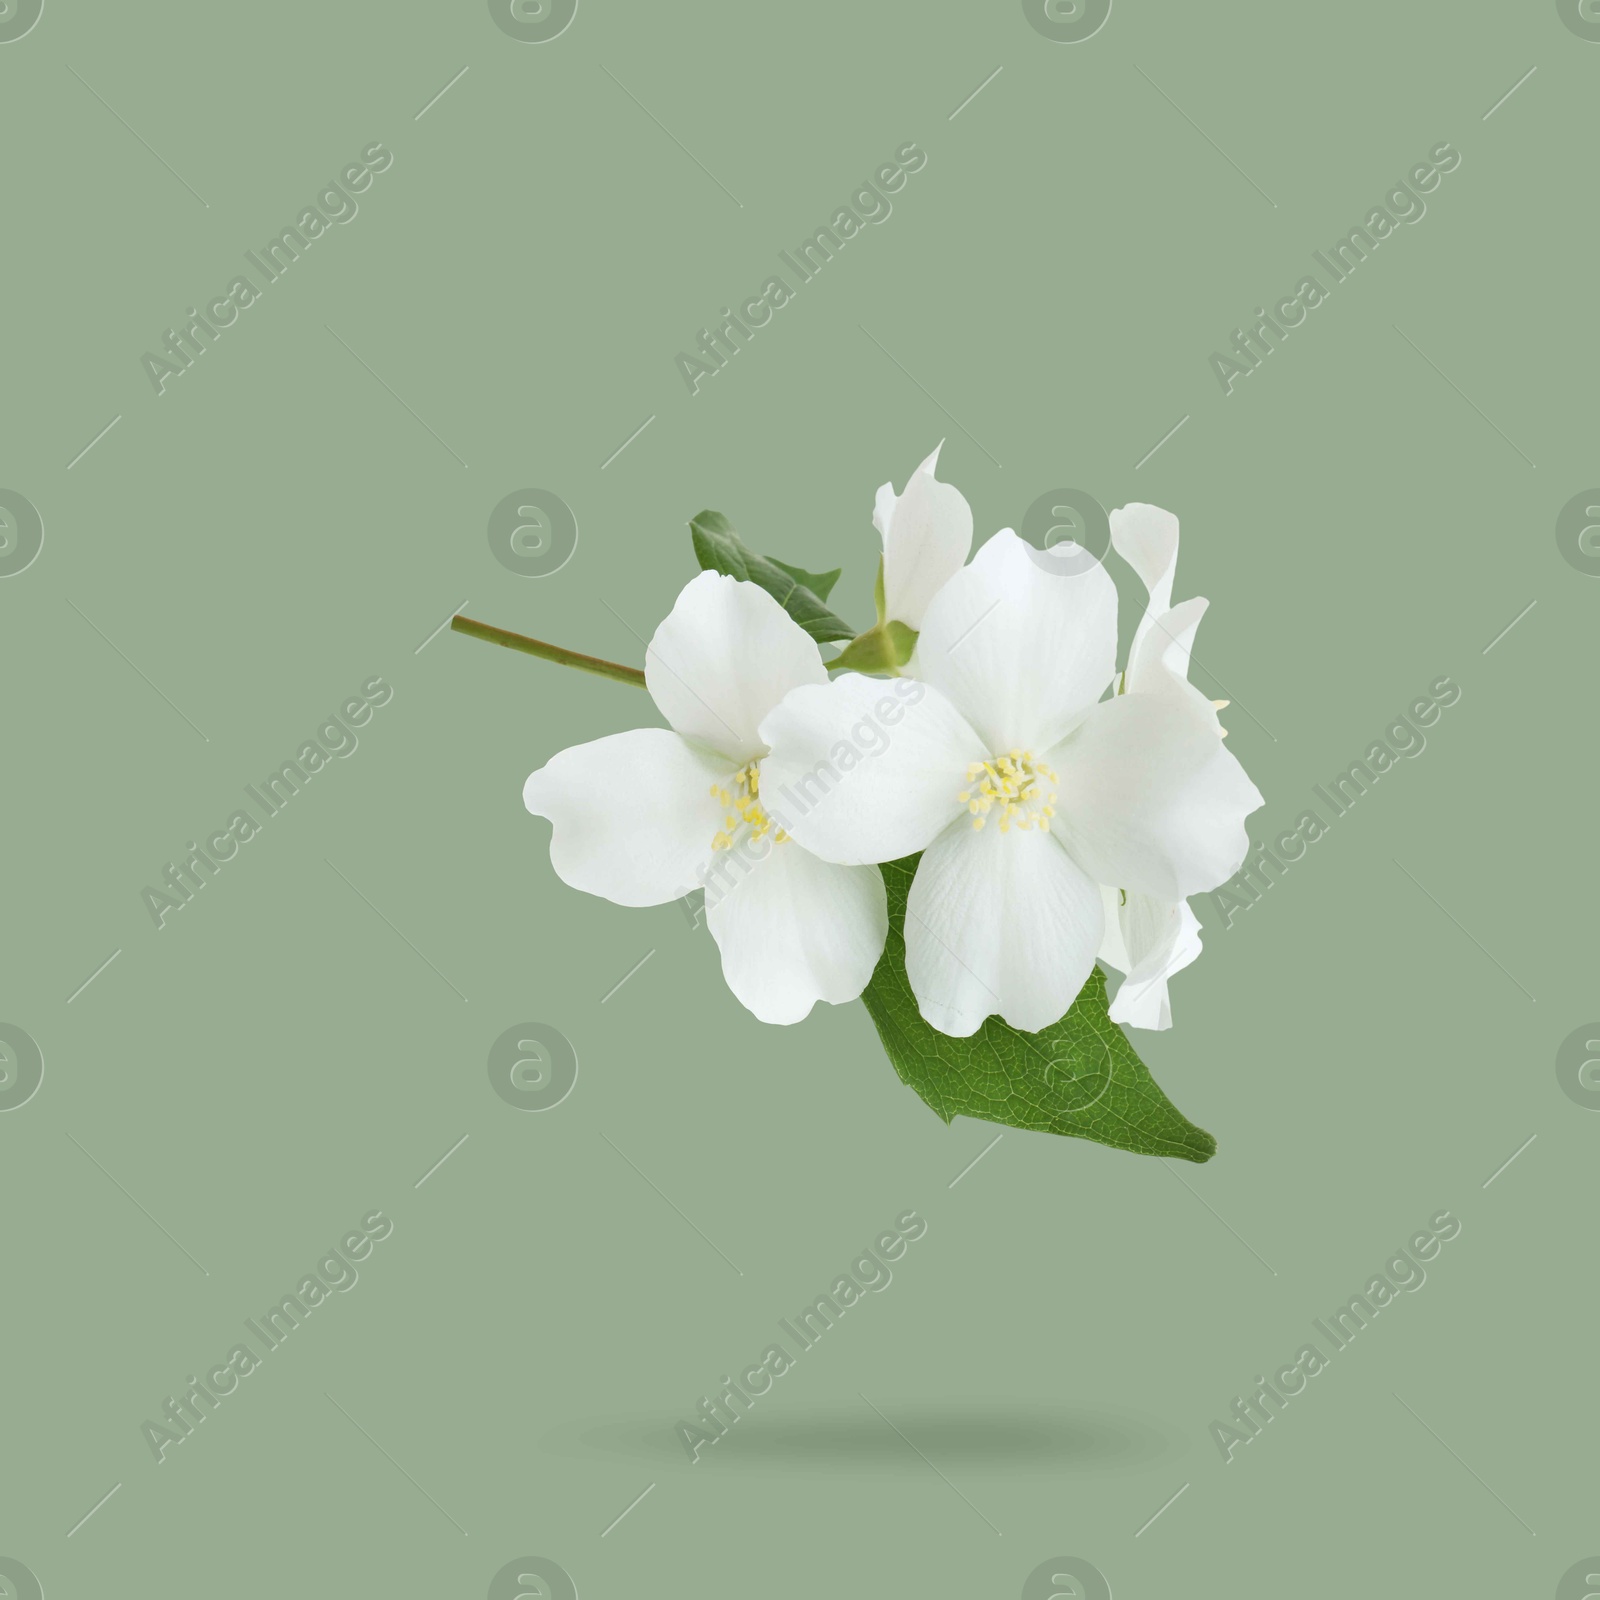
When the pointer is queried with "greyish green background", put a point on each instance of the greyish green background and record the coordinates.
(303, 1043)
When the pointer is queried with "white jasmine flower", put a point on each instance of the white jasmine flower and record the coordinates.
(1024, 790)
(642, 818)
(1148, 938)
(927, 536)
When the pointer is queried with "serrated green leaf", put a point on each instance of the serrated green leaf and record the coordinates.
(1079, 1077)
(719, 549)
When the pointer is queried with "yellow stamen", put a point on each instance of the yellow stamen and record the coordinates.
(1014, 788)
(744, 818)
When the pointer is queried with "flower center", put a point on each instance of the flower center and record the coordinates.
(742, 810)
(1018, 788)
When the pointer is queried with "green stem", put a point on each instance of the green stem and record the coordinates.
(549, 652)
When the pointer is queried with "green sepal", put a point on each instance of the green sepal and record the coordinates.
(885, 648)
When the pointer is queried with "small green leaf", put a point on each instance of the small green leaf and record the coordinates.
(719, 549)
(1079, 1077)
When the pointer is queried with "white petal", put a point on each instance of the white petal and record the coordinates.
(883, 504)
(1151, 799)
(794, 930)
(927, 534)
(999, 922)
(1146, 537)
(1159, 659)
(1160, 939)
(1021, 649)
(866, 769)
(1113, 950)
(723, 658)
(632, 814)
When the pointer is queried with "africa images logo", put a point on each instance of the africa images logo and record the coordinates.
(334, 204)
(335, 740)
(335, 1274)
(1402, 204)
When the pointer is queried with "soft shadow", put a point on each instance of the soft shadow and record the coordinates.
(971, 1435)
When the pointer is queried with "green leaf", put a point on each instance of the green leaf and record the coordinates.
(719, 549)
(1079, 1077)
(819, 583)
